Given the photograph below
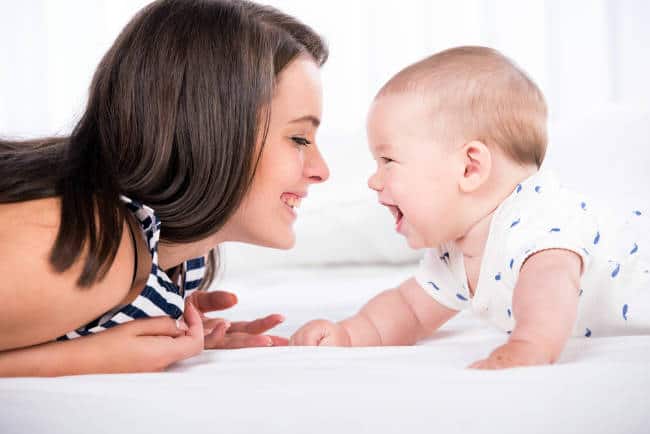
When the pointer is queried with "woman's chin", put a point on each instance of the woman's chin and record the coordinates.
(281, 241)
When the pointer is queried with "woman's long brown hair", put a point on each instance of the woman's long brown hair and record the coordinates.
(174, 111)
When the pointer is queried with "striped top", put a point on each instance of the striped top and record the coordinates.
(160, 296)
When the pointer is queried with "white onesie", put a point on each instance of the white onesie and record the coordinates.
(538, 215)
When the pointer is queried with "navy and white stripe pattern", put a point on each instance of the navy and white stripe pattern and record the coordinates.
(160, 296)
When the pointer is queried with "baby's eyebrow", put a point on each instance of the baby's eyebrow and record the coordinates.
(382, 147)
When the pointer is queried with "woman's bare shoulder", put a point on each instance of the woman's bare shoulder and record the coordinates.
(38, 303)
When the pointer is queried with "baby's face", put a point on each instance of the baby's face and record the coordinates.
(416, 175)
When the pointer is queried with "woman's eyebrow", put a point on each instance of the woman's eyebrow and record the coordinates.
(308, 118)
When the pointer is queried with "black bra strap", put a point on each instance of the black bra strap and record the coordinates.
(135, 249)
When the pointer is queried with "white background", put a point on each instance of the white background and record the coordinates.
(589, 57)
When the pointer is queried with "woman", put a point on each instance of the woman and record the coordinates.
(199, 129)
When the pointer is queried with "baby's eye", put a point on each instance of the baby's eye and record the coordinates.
(301, 141)
(387, 160)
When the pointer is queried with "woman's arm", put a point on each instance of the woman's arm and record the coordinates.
(38, 303)
(144, 345)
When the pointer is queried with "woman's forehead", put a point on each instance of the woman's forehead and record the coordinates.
(298, 91)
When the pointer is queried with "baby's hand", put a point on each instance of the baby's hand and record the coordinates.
(512, 354)
(322, 333)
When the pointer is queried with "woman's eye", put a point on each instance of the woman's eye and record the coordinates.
(301, 141)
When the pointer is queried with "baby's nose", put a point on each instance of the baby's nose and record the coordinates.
(373, 182)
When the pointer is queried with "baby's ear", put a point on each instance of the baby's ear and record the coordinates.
(477, 161)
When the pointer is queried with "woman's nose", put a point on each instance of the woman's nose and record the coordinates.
(316, 168)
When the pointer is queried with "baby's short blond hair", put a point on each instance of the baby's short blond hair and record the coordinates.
(476, 93)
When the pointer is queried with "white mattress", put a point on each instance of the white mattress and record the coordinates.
(601, 385)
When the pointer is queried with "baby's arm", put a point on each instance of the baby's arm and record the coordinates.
(398, 316)
(545, 304)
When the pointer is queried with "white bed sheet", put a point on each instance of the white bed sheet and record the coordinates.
(601, 385)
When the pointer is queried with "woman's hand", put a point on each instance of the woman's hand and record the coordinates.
(321, 333)
(149, 344)
(141, 345)
(220, 334)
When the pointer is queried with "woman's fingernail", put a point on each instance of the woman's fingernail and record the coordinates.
(207, 331)
(270, 343)
(226, 324)
(180, 324)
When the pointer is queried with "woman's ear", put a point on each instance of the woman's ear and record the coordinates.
(477, 162)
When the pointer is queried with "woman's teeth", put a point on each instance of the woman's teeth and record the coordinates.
(292, 201)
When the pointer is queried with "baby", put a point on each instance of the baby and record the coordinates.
(459, 139)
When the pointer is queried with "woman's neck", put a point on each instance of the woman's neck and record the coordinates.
(171, 255)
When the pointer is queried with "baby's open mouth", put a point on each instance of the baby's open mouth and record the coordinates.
(397, 213)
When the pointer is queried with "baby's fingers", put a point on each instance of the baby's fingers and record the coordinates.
(482, 364)
(308, 336)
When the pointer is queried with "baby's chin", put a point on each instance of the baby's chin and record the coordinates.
(415, 242)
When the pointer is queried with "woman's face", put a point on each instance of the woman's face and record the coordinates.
(290, 160)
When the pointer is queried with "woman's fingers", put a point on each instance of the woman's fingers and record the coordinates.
(279, 341)
(245, 340)
(209, 324)
(257, 326)
(193, 320)
(216, 340)
(191, 343)
(213, 300)
(158, 326)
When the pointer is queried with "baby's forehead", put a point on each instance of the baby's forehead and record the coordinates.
(403, 108)
(406, 113)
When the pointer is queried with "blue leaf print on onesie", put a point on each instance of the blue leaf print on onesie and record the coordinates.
(637, 212)
(625, 312)
(434, 286)
(538, 188)
(597, 238)
(512, 262)
(634, 249)
(583, 205)
(518, 188)
(617, 269)
(497, 277)
(509, 313)
(515, 223)
(554, 230)
(461, 297)
(445, 257)
(587, 333)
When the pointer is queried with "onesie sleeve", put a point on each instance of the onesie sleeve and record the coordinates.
(436, 277)
(561, 220)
